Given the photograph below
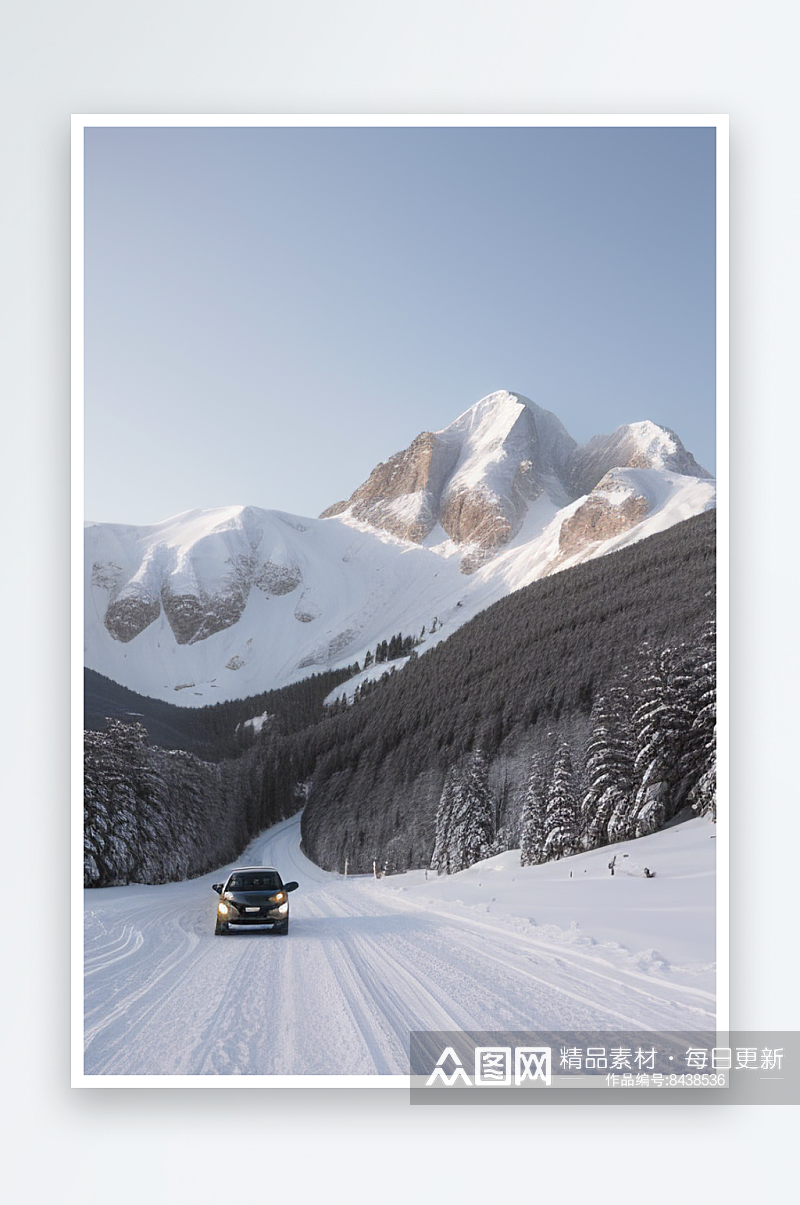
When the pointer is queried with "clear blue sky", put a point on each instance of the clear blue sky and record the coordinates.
(270, 312)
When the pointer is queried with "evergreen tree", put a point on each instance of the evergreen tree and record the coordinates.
(700, 763)
(534, 809)
(662, 722)
(473, 816)
(610, 793)
(465, 817)
(440, 860)
(561, 821)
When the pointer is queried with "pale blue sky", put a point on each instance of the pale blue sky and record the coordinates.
(270, 312)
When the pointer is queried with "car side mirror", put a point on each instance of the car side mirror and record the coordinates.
(290, 886)
(217, 887)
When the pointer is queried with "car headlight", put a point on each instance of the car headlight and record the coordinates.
(280, 898)
(222, 909)
(283, 908)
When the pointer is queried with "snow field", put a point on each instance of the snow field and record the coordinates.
(367, 961)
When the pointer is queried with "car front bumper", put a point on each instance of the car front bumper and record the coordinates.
(265, 918)
(258, 922)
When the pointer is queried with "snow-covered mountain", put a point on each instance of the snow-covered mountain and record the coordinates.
(220, 604)
(475, 478)
(478, 477)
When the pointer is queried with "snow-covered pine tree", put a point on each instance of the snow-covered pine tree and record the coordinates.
(473, 815)
(662, 722)
(561, 823)
(534, 808)
(124, 794)
(609, 793)
(444, 815)
(704, 793)
(465, 816)
(700, 761)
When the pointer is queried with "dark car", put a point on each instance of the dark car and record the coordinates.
(253, 897)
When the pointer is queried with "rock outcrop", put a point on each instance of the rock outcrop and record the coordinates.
(201, 589)
(277, 579)
(611, 509)
(130, 613)
(199, 615)
(401, 495)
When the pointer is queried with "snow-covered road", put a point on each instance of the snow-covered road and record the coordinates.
(364, 964)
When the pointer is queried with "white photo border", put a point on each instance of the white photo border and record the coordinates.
(80, 122)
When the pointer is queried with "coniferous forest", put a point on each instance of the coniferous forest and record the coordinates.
(214, 732)
(574, 713)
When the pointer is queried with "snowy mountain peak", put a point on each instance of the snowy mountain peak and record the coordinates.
(658, 445)
(477, 477)
(491, 417)
(474, 477)
(507, 427)
(641, 445)
(501, 410)
(226, 602)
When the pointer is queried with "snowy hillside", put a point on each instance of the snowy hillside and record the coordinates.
(272, 596)
(657, 922)
(222, 604)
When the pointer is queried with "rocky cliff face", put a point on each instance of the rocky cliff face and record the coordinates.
(130, 614)
(197, 615)
(401, 496)
(612, 508)
(474, 478)
(201, 590)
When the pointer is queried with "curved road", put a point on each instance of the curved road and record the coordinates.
(362, 966)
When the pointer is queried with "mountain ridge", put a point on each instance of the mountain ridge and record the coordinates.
(476, 477)
(220, 604)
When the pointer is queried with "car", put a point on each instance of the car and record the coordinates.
(253, 897)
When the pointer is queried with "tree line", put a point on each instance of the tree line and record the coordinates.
(521, 677)
(219, 730)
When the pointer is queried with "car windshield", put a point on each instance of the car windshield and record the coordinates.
(254, 880)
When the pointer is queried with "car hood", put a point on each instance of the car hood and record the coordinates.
(251, 898)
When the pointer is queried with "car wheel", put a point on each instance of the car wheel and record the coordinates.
(221, 929)
(282, 929)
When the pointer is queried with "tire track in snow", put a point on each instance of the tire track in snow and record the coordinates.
(129, 941)
(470, 970)
(564, 956)
(157, 967)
